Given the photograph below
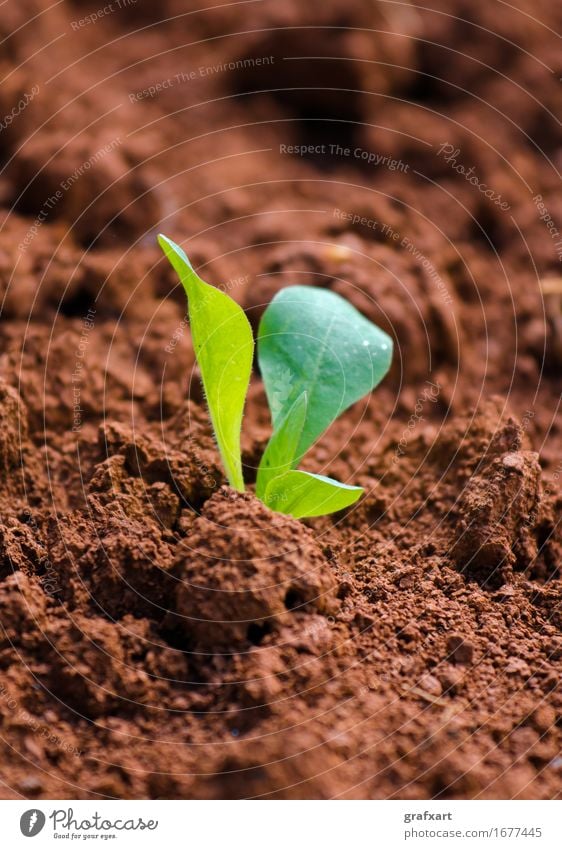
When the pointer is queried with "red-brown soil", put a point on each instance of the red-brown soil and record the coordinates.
(163, 636)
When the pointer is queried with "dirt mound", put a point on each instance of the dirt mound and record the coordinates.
(242, 569)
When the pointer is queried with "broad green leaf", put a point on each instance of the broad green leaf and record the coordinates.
(311, 340)
(301, 494)
(224, 345)
(281, 451)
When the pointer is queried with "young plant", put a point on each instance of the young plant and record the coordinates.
(317, 355)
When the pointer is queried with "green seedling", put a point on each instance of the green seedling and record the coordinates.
(317, 355)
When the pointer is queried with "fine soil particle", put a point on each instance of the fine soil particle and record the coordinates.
(163, 636)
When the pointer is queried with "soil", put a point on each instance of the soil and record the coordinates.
(163, 636)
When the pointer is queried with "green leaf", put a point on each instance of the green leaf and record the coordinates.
(301, 494)
(224, 345)
(281, 451)
(311, 340)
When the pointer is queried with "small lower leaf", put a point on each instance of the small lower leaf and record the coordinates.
(281, 452)
(301, 494)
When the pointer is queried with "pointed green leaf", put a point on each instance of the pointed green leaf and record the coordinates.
(281, 451)
(312, 340)
(301, 494)
(223, 344)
